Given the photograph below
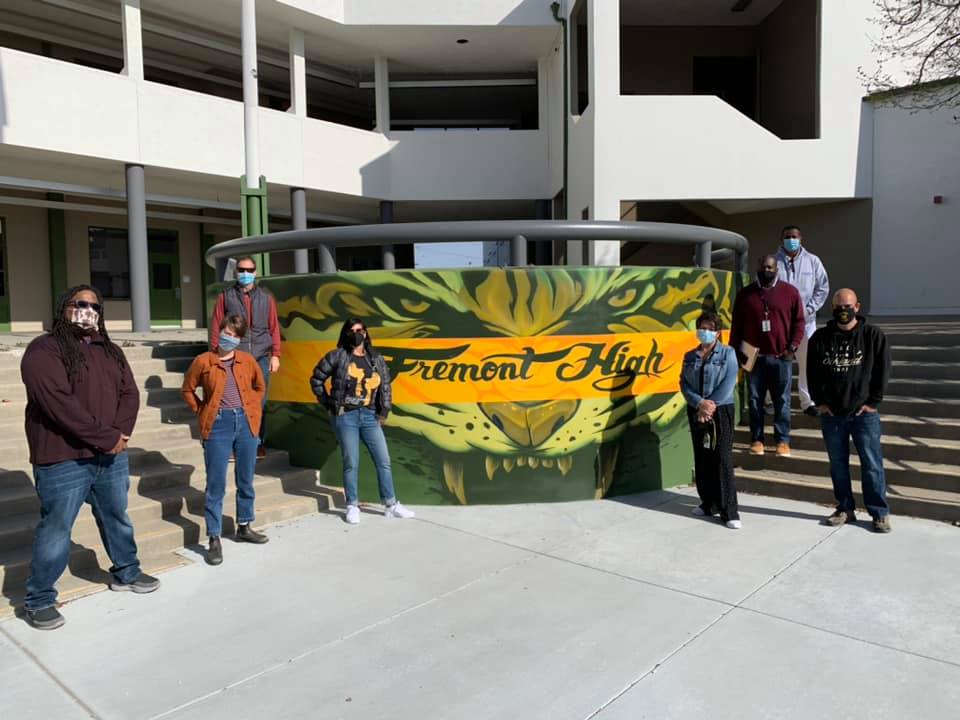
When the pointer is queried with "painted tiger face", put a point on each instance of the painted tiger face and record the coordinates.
(533, 372)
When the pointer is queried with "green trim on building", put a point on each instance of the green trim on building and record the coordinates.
(4, 279)
(254, 217)
(57, 236)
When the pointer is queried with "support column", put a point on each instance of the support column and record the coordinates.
(386, 216)
(57, 238)
(381, 82)
(137, 249)
(518, 251)
(298, 216)
(704, 253)
(132, 39)
(253, 184)
(298, 75)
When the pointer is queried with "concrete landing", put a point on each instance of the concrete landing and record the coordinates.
(627, 608)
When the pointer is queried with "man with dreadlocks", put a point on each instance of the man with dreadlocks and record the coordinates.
(82, 404)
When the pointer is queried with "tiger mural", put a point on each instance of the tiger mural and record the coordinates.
(510, 384)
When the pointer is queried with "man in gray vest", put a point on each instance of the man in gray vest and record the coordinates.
(259, 308)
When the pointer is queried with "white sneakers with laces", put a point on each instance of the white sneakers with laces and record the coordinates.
(353, 514)
(398, 511)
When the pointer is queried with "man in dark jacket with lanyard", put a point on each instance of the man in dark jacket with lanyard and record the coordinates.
(848, 370)
(768, 315)
(259, 308)
(82, 404)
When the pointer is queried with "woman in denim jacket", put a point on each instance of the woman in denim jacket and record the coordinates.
(707, 381)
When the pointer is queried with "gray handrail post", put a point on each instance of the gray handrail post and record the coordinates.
(704, 251)
(741, 264)
(328, 262)
(518, 251)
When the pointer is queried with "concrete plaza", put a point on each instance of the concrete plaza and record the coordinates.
(627, 608)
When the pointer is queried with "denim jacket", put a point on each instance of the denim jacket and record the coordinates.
(719, 376)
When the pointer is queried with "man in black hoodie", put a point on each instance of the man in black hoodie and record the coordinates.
(847, 371)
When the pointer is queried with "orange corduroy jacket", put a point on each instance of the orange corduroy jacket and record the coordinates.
(208, 372)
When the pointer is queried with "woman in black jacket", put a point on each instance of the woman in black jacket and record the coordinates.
(359, 403)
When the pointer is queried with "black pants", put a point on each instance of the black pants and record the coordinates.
(714, 466)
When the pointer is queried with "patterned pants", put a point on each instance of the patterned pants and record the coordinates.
(714, 465)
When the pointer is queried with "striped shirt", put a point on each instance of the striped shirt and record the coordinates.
(231, 393)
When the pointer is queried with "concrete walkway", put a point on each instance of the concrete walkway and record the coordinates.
(608, 610)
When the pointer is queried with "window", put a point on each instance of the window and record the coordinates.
(110, 262)
(579, 59)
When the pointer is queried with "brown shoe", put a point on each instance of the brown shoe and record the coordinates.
(840, 517)
(882, 524)
(261, 452)
(756, 448)
(783, 450)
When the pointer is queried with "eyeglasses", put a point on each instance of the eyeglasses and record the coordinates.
(84, 305)
(246, 269)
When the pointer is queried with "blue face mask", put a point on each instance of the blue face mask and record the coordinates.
(246, 278)
(791, 244)
(229, 343)
(706, 337)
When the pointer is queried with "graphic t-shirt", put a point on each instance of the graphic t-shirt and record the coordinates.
(362, 383)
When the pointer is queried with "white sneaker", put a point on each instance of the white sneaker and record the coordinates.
(699, 511)
(398, 511)
(353, 514)
(734, 524)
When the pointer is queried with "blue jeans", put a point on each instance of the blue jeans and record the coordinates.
(103, 481)
(264, 364)
(230, 435)
(866, 432)
(350, 428)
(773, 374)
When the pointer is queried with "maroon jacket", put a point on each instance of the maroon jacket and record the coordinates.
(784, 308)
(67, 421)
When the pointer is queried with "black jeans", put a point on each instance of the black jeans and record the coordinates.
(714, 466)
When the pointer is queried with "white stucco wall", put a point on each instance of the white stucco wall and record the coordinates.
(914, 254)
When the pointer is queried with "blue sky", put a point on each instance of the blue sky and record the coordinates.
(448, 255)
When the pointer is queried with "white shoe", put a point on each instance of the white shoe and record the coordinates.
(734, 524)
(398, 511)
(353, 514)
(699, 511)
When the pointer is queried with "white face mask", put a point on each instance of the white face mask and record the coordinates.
(85, 318)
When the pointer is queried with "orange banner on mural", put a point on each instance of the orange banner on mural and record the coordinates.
(517, 369)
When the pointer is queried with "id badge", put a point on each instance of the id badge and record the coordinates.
(765, 325)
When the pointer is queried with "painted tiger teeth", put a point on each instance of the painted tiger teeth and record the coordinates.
(565, 463)
(533, 462)
(521, 461)
(547, 462)
(491, 465)
(508, 464)
(453, 476)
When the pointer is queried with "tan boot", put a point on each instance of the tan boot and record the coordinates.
(783, 450)
(756, 448)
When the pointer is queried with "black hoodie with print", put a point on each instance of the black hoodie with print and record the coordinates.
(847, 369)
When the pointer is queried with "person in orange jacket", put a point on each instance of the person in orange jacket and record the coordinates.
(230, 414)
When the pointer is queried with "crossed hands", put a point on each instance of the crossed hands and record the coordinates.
(705, 410)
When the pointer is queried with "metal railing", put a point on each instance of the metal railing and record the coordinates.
(709, 244)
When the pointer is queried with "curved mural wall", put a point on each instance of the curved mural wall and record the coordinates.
(509, 384)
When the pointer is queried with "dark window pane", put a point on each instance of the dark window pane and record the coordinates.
(162, 276)
(109, 262)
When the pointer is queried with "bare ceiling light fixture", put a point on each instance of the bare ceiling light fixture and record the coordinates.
(741, 5)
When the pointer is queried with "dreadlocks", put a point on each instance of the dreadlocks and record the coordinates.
(65, 333)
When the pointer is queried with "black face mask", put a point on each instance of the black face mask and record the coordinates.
(766, 277)
(355, 339)
(844, 314)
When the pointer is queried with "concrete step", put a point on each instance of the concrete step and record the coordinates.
(907, 473)
(159, 397)
(165, 534)
(903, 500)
(928, 336)
(934, 407)
(925, 388)
(82, 579)
(17, 530)
(170, 455)
(925, 353)
(169, 409)
(146, 435)
(16, 390)
(926, 370)
(926, 428)
(895, 447)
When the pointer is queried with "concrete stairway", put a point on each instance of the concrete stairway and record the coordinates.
(921, 440)
(166, 483)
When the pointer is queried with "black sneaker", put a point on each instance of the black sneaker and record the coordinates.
(48, 618)
(215, 552)
(246, 533)
(142, 584)
(812, 411)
